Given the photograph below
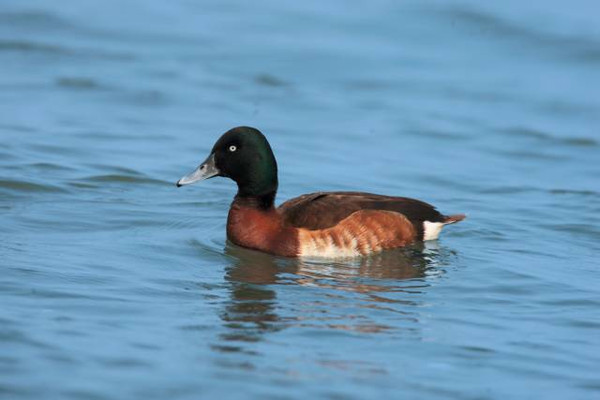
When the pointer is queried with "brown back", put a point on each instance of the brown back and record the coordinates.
(326, 209)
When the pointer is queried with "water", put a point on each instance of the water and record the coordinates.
(115, 284)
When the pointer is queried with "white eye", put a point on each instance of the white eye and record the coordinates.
(232, 148)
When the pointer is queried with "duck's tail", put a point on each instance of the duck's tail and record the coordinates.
(452, 219)
(431, 230)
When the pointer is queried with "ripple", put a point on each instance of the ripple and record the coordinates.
(438, 134)
(209, 246)
(32, 47)
(46, 166)
(17, 128)
(269, 80)
(13, 390)
(33, 20)
(27, 46)
(84, 395)
(118, 178)
(582, 141)
(530, 155)
(525, 132)
(146, 97)
(576, 229)
(575, 192)
(113, 168)
(59, 149)
(579, 48)
(18, 337)
(507, 190)
(78, 83)
(23, 186)
(124, 362)
(8, 156)
(83, 185)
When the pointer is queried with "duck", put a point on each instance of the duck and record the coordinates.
(315, 225)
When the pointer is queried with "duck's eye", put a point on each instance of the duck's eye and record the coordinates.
(232, 148)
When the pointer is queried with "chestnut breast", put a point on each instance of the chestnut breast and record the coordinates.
(261, 230)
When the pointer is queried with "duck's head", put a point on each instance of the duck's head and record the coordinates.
(244, 155)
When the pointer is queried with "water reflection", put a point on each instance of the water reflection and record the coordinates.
(250, 313)
(340, 295)
(382, 272)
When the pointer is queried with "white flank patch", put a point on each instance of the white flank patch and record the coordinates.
(325, 248)
(432, 230)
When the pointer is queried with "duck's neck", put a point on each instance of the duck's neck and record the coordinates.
(264, 202)
(254, 222)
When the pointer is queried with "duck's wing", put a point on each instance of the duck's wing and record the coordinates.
(326, 209)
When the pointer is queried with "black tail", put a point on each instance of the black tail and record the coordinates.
(452, 219)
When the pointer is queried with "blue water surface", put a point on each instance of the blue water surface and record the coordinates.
(115, 284)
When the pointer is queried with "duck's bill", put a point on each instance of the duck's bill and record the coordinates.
(206, 170)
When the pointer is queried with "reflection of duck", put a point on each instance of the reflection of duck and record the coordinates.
(250, 312)
(254, 267)
(381, 272)
(336, 224)
(255, 277)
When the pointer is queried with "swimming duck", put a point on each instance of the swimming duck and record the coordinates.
(323, 224)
